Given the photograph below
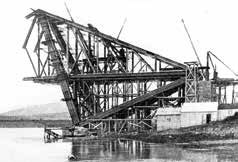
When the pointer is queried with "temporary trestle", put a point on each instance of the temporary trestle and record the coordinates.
(119, 125)
(102, 78)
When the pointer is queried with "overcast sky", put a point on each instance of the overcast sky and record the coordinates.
(151, 24)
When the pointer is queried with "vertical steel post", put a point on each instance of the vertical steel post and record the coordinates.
(38, 50)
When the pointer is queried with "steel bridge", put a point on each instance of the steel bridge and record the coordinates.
(105, 81)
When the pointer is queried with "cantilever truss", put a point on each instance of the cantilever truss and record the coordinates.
(101, 77)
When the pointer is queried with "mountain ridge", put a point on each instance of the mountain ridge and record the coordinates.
(49, 111)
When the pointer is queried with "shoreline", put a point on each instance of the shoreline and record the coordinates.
(188, 141)
(24, 123)
(201, 136)
(216, 133)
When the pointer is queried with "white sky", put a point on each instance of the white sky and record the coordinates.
(152, 24)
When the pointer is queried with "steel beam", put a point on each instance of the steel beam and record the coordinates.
(167, 76)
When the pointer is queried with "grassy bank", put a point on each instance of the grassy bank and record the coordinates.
(176, 138)
(219, 130)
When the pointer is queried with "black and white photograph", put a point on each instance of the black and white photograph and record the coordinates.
(119, 81)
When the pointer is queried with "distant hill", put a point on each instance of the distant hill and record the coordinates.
(51, 111)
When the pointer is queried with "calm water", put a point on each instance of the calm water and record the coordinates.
(27, 145)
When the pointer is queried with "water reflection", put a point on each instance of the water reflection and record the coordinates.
(129, 150)
(19, 145)
(121, 149)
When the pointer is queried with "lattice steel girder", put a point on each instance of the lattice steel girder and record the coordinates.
(64, 84)
(142, 98)
(166, 76)
(191, 82)
(59, 20)
(148, 97)
(99, 73)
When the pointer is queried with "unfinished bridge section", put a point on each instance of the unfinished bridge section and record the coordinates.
(102, 78)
